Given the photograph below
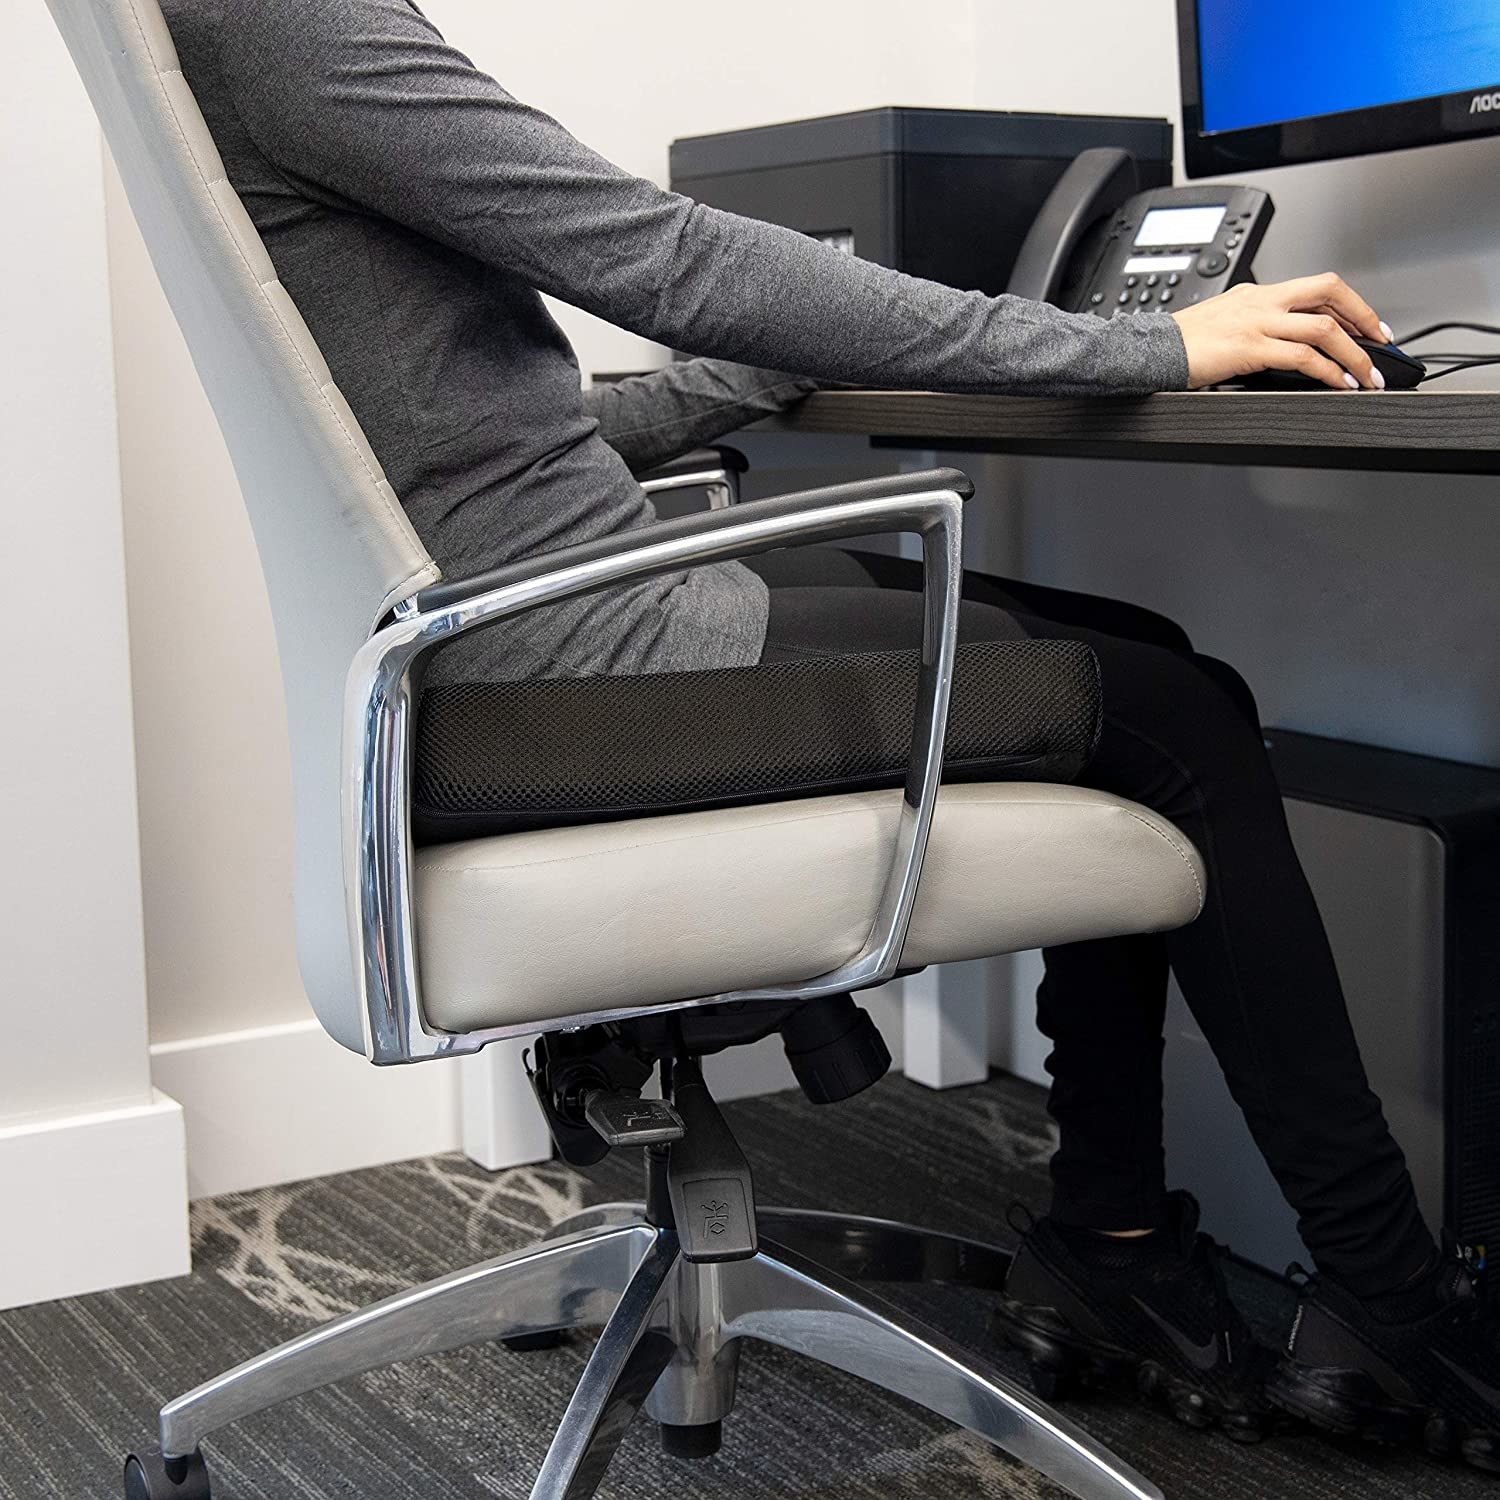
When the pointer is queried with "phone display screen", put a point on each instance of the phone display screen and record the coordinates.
(1181, 226)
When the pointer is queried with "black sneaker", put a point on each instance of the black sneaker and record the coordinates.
(1085, 1308)
(1433, 1377)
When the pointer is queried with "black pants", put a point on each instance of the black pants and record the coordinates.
(1181, 735)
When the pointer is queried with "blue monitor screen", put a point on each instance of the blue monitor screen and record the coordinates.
(1266, 61)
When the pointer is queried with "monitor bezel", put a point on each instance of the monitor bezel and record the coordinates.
(1355, 132)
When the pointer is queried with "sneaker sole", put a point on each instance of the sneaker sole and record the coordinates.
(1350, 1404)
(1063, 1362)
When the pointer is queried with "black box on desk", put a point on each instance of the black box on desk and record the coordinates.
(946, 194)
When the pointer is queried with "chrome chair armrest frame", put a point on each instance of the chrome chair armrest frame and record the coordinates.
(721, 485)
(715, 470)
(379, 720)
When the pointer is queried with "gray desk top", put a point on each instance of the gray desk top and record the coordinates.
(1436, 431)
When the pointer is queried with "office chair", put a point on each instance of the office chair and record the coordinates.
(711, 858)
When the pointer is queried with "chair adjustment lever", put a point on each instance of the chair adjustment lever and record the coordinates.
(708, 1177)
(622, 1118)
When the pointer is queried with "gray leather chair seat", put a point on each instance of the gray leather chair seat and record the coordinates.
(541, 924)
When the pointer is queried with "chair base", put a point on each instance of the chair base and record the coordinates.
(673, 1330)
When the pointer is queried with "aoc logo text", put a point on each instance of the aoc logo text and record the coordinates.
(1483, 104)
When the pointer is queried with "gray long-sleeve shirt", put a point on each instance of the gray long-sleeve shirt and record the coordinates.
(414, 210)
(649, 419)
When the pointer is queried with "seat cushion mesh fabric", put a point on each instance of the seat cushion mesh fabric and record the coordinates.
(499, 757)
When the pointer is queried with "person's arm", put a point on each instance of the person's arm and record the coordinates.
(652, 418)
(362, 103)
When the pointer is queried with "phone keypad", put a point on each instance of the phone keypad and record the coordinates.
(1210, 268)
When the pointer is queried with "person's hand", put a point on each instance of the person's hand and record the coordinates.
(1308, 325)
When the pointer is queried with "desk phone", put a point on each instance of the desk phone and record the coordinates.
(1101, 246)
(1175, 246)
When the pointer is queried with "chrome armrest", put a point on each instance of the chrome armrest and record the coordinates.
(715, 470)
(384, 680)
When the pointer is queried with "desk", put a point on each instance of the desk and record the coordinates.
(1436, 431)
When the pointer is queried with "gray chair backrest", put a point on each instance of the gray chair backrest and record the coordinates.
(335, 545)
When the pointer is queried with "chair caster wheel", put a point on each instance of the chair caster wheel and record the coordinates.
(149, 1476)
(534, 1343)
(700, 1441)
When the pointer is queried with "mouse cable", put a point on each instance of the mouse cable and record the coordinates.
(1451, 356)
(1422, 333)
(1468, 364)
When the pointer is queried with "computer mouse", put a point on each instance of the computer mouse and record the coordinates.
(1402, 372)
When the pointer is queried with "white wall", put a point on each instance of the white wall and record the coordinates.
(76, 1102)
(72, 904)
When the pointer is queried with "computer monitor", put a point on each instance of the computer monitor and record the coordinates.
(1270, 82)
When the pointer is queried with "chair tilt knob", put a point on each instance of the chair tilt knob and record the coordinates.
(835, 1049)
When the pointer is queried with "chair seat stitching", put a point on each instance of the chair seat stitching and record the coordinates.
(1177, 848)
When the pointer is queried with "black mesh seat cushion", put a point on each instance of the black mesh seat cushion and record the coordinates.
(500, 757)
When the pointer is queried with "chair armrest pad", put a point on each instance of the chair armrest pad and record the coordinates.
(446, 595)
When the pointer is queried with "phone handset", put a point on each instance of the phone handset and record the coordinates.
(1100, 246)
(1097, 183)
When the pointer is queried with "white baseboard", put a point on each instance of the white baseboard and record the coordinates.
(503, 1125)
(285, 1103)
(94, 1201)
(1016, 1045)
(946, 1024)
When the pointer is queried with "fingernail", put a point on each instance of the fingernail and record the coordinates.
(1350, 381)
(1378, 378)
(1385, 329)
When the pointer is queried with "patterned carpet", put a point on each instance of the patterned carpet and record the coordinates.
(79, 1380)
